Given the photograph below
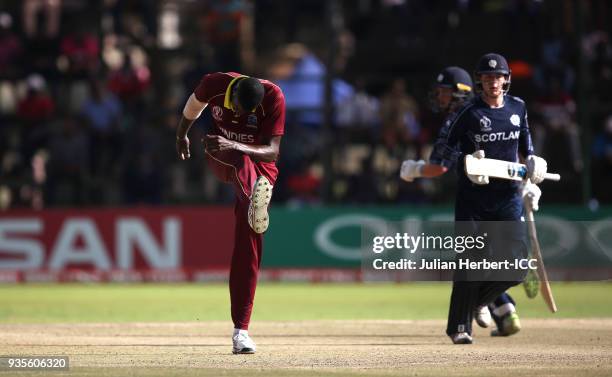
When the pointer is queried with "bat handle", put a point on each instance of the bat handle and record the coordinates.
(530, 216)
(549, 176)
(552, 176)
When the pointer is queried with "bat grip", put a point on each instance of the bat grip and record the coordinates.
(549, 176)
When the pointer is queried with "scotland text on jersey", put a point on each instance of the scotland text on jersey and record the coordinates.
(496, 136)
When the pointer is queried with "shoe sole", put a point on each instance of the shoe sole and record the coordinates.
(512, 328)
(258, 208)
(480, 321)
(243, 351)
(499, 333)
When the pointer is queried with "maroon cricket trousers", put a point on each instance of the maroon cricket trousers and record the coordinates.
(241, 172)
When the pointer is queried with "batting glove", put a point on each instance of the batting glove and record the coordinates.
(531, 194)
(411, 169)
(536, 168)
(478, 179)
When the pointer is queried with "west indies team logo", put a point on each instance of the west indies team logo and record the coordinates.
(252, 121)
(485, 124)
(217, 113)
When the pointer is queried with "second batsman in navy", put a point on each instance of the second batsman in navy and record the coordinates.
(492, 124)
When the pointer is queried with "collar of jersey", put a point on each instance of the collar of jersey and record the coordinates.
(227, 102)
(488, 106)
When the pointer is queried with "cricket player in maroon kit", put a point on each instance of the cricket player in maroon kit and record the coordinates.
(249, 121)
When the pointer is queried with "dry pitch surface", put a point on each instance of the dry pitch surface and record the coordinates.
(566, 347)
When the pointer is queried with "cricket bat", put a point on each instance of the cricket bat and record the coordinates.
(541, 271)
(500, 169)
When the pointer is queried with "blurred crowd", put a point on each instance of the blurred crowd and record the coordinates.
(91, 92)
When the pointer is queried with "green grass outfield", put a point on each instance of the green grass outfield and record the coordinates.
(274, 301)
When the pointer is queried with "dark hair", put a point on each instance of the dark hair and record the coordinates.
(249, 93)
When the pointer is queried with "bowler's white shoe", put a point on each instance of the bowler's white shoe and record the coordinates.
(243, 344)
(483, 316)
(258, 208)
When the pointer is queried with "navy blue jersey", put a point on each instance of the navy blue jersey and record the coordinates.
(501, 132)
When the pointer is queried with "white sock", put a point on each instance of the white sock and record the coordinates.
(239, 331)
(504, 309)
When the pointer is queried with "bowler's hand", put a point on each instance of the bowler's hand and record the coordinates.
(216, 143)
(182, 147)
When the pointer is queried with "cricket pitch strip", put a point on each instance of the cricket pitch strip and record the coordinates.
(544, 347)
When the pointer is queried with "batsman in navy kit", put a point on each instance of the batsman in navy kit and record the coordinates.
(494, 125)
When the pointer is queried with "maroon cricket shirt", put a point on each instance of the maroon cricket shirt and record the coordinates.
(257, 127)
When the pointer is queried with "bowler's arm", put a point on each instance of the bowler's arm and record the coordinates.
(266, 152)
(192, 111)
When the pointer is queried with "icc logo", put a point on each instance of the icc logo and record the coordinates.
(252, 121)
(485, 124)
(217, 113)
